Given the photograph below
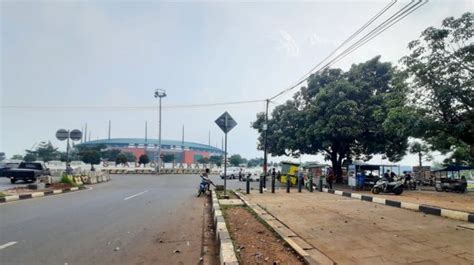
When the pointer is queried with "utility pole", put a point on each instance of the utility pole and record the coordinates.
(110, 126)
(85, 134)
(182, 147)
(209, 139)
(146, 137)
(159, 93)
(265, 128)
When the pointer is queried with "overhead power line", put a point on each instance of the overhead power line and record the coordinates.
(118, 108)
(396, 17)
(399, 15)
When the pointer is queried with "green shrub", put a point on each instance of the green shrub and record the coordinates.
(66, 180)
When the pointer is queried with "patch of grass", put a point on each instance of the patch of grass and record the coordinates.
(66, 180)
(2, 194)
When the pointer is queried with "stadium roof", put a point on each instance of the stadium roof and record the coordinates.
(141, 141)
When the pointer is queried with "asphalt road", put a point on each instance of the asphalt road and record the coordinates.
(5, 184)
(133, 219)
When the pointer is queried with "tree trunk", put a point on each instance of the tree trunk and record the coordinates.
(419, 159)
(337, 167)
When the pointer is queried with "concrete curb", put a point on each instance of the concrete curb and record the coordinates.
(310, 254)
(227, 254)
(13, 198)
(427, 209)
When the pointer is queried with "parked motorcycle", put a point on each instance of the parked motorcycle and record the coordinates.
(205, 185)
(383, 185)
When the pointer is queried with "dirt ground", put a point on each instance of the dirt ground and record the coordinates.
(448, 200)
(254, 242)
(350, 231)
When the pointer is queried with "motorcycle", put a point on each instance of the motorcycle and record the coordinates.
(383, 185)
(205, 185)
(409, 183)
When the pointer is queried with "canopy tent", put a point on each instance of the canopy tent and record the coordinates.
(455, 168)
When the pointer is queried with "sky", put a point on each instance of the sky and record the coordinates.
(106, 58)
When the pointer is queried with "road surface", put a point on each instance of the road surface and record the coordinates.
(133, 219)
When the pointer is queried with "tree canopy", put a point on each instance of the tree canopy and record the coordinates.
(45, 151)
(143, 159)
(91, 157)
(440, 65)
(236, 160)
(343, 115)
(167, 158)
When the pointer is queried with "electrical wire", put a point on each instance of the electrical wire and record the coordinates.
(396, 17)
(377, 31)
(118, 108)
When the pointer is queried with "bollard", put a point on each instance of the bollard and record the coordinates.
(287, 184)
(261, 184)
(299, 184)
(273, 183)
(320, 186)
(311, 184)
(248, 184)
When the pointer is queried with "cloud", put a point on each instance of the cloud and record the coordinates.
(287, 43)
(315, 39)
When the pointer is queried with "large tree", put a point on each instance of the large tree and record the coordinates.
(422, 150)
(44, 152)
(236, 160)
(91, 157)
(343, 115)
(217, 160)
(167, 158)
(441, 66)
(143, 159)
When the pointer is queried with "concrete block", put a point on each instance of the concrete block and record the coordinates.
(378, 200)
(12, 198)
(37, 194)
(57, 191)
(37, 186)
(462, 216)
(296, 247)
(338, 192)
(356, 196)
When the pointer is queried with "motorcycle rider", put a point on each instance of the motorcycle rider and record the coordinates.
(205, 177)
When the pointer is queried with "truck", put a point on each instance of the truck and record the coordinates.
(27, 172)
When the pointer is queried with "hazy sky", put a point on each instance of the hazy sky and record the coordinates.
(110, 53)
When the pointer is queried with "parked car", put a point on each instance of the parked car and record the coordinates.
(253, 174)
(27, 171)
(232, 173)
(5, 166)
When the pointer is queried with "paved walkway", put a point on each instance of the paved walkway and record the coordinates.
(351, 231)
(447, 200)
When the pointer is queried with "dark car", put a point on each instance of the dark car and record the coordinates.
(5, 166)
(27, 171)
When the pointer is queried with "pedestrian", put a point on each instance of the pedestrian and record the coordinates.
(362, 180)
(300, 177)
(240, 174)
(330, 177)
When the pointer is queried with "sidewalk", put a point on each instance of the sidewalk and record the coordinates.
(448, 200)
(351, 231)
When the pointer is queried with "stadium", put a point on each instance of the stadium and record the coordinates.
(184, 152)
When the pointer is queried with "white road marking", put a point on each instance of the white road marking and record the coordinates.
(135, 195)
(9, 244)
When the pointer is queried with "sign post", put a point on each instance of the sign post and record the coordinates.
(62, 135)
(226, 123)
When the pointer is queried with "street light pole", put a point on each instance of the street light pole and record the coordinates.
(159, 93)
